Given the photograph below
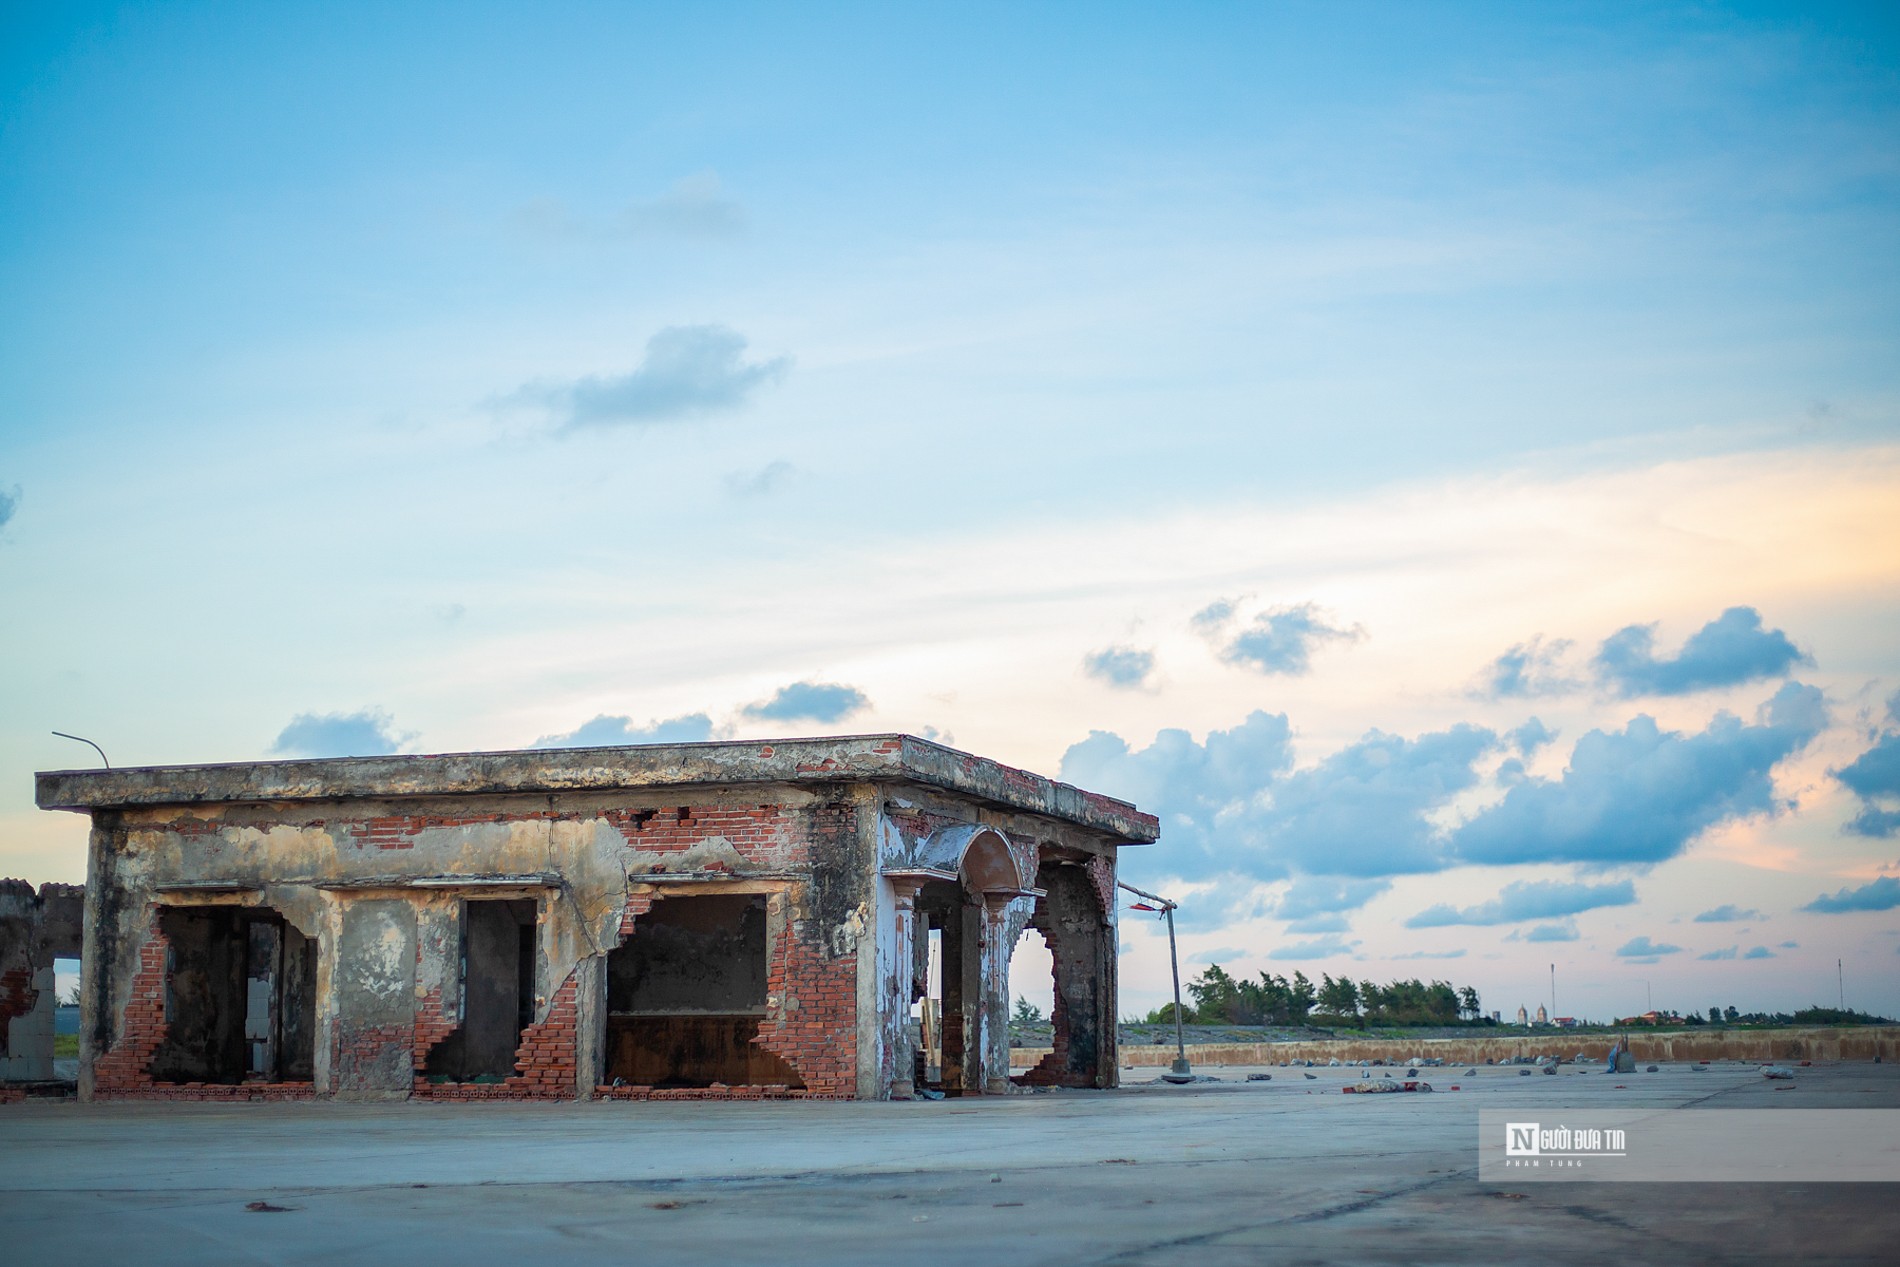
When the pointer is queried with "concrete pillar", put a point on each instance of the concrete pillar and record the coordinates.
(590, 1025)
(901, 1057)
(993, 1035)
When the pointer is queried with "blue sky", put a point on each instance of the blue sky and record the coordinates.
(1266, 411)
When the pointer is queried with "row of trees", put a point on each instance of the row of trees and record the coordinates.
(1816, 1015)
(1222, 999)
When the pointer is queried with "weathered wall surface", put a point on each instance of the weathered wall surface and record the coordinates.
(1859, 1043)
(380, 887)
(36, 927)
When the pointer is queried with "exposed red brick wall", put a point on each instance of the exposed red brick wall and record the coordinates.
(638, 904)
(815, 1025)
(815, 1028)
(547, 1063)
(760, 833)
(123, 1073)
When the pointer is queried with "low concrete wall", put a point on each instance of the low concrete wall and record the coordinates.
(1861, 1043)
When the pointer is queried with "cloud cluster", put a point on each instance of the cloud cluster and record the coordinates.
(1876, 895)
(368, 732)
(1317, 896)
(1317, 948)
(1527, 669)
(1643, 950)
(1727, 913)
(1124, 667)
(615, 732)
(687, 372)
(1236, 811)
(1874, 777)
(825, 702)
(1528, 900)
(1642, 794)
(1234, 805)
(1730, 650)
(1280, 640)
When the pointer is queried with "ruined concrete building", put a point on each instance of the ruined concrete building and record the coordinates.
(727, 920)
(35, 929)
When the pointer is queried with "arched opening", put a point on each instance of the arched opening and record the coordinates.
(957, 886)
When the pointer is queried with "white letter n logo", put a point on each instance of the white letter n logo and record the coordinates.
(1520, 1139)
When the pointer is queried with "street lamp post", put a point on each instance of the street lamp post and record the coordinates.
(1179, 1071)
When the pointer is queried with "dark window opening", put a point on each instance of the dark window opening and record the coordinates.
(498, 972)
(240, 997)
(686, 994)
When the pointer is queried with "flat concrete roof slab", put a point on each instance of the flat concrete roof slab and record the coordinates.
(885, 758)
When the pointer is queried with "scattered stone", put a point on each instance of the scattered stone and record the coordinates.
(1776, 1071)
(1651, 1069)
(1471, 1073)
(1310, 1077)
(265, 1207)
(1523, 1073)
(996, 1178)
(1260, 1077)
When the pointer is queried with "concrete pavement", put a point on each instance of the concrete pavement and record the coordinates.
(1211, 1173)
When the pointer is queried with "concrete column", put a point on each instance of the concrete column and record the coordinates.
(993, 1025)
(590, 1025)
(901, 985)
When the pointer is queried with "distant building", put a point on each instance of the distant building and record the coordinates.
(1523, 1017)
(1566, 1022)
(1543, 1017)
(1497, 1018)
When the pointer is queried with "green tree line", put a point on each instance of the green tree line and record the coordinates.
(1223, 999)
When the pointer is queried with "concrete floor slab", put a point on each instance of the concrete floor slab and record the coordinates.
(1210, 1173)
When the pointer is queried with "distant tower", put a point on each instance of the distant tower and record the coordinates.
(1543, 1017)
(1523, 1017)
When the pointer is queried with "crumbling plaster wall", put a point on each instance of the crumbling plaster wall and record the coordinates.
(347, 874)
(36, 927)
